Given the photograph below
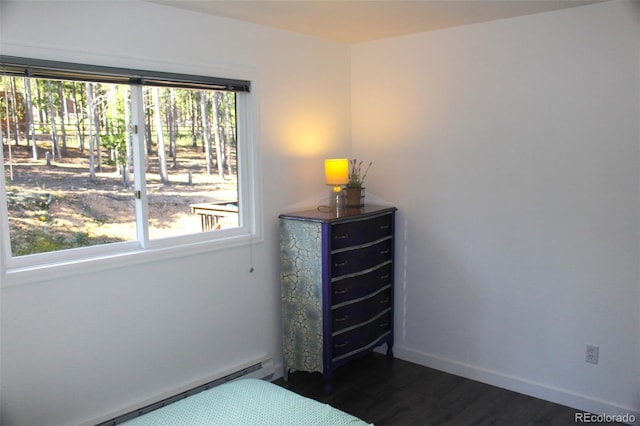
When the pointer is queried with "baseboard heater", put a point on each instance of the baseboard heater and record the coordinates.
(260, 370)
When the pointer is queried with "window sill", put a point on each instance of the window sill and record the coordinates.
(36, 273)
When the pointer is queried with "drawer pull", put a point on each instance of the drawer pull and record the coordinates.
(341, 264)
(387, 251)
(384, 227)
(344, 318)
(340, 237)
(384, 325)
(384, 277)
(384, 301)
(341, 291)
(341, 345)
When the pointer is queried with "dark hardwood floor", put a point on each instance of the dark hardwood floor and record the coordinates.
(396, 392)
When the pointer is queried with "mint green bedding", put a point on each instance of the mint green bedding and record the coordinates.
(245, 403)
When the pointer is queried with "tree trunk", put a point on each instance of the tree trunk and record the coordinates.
(90, 118)
(14, 111)
(162, 158)
(55, 147)
(205, 132)
(63, 114)
(7, 115)
(79, 117)
(216, 133)
(98, 129)
(230, 137)
(10, 161)
(193, 107)
(40, 98)
(31, 125)
(173, 128)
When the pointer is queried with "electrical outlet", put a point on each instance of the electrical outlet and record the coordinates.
(592, 354)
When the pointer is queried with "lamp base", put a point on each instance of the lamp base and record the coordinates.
(337, 199)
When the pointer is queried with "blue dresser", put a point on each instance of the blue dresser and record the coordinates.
(337, 275)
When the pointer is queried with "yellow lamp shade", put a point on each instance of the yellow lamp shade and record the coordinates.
(336, 171)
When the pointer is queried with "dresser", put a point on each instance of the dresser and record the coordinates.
(337, 275)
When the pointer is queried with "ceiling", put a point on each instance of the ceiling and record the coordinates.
(354, 21)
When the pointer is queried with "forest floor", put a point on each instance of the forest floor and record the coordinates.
(57, 206)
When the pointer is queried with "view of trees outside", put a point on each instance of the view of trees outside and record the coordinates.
(68, 161)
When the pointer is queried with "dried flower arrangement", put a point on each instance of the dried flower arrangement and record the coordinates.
(356, 175)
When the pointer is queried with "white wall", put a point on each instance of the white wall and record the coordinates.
(510, 148)
(512, 151)
(79, 347)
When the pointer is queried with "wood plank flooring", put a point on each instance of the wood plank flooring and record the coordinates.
(400, 393)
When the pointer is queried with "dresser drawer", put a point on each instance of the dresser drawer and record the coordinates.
(361, 285)
(360, 337)
(360, 232)
(356, 260)
(360, 312)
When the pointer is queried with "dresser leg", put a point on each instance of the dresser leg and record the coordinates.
(328, 383)
(389, 351)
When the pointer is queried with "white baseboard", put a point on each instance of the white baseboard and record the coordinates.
(278, 370)
(581, 403)
(266, 371)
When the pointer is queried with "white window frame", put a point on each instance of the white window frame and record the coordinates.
(39, 266)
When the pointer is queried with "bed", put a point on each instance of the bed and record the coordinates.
(247, 402)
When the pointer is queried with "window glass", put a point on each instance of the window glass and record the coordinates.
(63, 145)
(68, 153)
(192, 183)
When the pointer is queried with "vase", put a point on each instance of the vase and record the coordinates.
(355, 197)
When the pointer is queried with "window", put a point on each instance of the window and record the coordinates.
(102, 160)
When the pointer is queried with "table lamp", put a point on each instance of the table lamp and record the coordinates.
(336, 173)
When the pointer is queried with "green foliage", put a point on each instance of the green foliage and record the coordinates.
(41, 240)
(116, 140)
(29, 200)
(8, 94)
(36, 241)
(81, 238)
